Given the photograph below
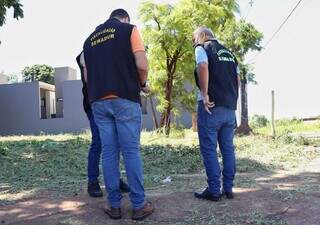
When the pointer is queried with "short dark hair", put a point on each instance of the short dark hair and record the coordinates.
(119, 14)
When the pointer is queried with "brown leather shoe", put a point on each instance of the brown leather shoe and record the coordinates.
(113, 213)
(144, 212)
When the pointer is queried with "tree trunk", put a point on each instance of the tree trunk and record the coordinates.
(165, 116)
(244, 127)
(154, 115)
(165, 119)
(194, 122)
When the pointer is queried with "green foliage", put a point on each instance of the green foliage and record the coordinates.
(5, 5)
(288, 122)
(246, 74)
(14, 78)
(168, 31)
(288, 137)
(161, 161)
(58, 162)
(258, 121)
(41, 162)
(4, 150)
(49, 160)
(178, 132)
(42, 73)
(168, 46)
(240, 37)
(285, 126)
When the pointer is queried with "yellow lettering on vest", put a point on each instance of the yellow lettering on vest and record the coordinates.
(103, 39)
(100, 33)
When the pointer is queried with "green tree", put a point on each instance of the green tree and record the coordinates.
(14, 78)
(42, 73)
(242, 37)
(7, 4)
(167, 32)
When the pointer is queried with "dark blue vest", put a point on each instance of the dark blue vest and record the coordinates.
(110, 62)
(223, 82)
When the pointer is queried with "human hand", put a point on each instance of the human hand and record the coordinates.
(145, 88)
(207, 104)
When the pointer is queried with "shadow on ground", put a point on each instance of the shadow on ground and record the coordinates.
(275, 198)
(58, 170)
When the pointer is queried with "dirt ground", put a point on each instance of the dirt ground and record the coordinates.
(282, 197)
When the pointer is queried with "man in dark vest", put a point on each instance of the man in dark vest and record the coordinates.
(116, 69)
(94, 189)
(217, 78)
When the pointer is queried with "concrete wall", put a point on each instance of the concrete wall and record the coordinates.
(62, 74)
(73, 109)
(20, 110)
(3, 79)
(147, 119)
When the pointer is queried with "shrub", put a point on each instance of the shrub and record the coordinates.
(288, 122)
(258, 121)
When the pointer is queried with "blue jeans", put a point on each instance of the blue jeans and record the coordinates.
(94, 150)
(119, 123)
(212, 129)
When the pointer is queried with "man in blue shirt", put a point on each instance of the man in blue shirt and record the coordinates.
(218, 82)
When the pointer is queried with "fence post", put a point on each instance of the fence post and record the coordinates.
(272, 115)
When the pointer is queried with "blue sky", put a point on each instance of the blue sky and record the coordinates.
(52, 32)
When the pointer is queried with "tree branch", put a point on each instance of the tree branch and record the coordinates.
(157, 22)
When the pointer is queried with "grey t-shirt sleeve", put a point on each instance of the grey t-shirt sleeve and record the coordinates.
(200, 55)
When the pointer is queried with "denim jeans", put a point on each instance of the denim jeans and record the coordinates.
(94, 150)
(214, 128)
(119, 123)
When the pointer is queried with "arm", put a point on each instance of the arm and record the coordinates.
(139, 55)
(238, 74)
(142, 65)
(203, 76)
(85, 74)
(83, 64)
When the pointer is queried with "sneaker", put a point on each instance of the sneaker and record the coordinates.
(144, 212)
(124, 187)
(228, 195)
(94, 189)
(113, 213)
(206, 194)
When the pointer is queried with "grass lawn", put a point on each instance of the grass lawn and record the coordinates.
(58, 162)
(287, 126)
(270, 171)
